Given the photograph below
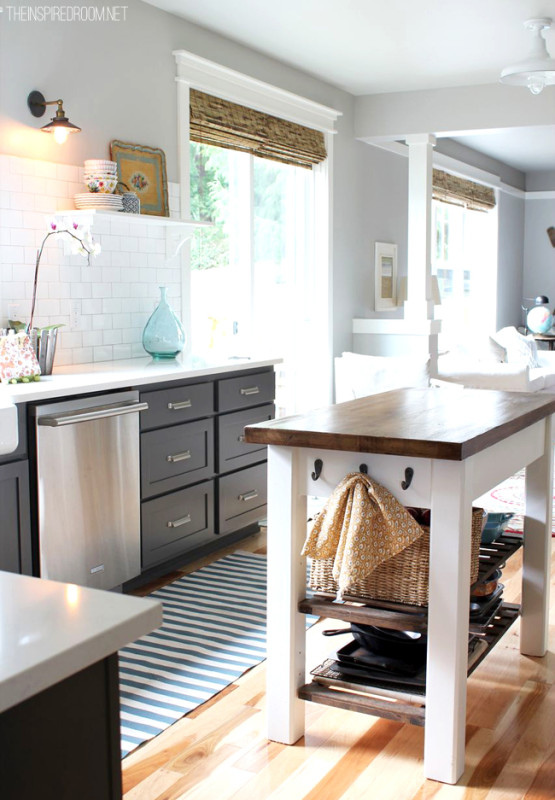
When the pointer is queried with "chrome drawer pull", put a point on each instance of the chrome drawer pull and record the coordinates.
(180, 405)
(176, 523)
(179, 457)
(241, 438)
(250, 390)
(248, 496)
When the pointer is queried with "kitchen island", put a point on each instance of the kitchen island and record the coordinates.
(459, 445)
(59, 698)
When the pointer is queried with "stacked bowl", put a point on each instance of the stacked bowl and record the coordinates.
(101, 179)
(101, 176)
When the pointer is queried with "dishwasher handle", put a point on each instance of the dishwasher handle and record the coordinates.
(98, 412)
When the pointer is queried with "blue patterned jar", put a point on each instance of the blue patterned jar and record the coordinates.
(163, 336)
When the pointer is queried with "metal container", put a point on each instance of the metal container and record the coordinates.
(43, 342)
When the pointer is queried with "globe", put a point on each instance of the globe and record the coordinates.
(539, 319)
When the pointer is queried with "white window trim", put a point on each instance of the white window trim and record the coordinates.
(195, 72)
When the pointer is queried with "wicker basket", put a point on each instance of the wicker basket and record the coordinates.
(401, 579)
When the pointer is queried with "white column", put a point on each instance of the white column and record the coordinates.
(447, 665)
(538, 524)
(286, 586)
(183, 160)
(418, 302)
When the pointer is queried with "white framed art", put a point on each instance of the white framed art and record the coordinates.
(385, 272)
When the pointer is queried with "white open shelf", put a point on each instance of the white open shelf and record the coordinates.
(177, 230)
(122, 216)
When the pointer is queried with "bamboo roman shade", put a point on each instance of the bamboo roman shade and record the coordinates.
(219, 122)
(462, 192)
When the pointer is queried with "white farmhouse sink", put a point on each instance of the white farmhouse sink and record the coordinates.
(9, 437)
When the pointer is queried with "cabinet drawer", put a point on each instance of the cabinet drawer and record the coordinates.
(175, 457)
(180, 404)
(249, 390)
(242, 498)
(177, 523)
(233, 452)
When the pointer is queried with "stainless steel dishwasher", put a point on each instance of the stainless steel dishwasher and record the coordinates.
(88, 489)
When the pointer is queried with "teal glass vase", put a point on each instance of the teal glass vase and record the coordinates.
(163, 336)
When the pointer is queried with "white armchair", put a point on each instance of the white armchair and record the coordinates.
(358, 375)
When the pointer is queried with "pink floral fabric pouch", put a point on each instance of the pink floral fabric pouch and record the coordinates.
(17, 358)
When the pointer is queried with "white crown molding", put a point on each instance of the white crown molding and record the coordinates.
(550, 195)
(207, 76)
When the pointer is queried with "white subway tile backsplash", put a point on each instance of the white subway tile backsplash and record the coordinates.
(45, 169)
(111, 306)
(22, 166)
(122, 351)
(117, 291)
(102, 322)
(112, 337)
(101, 289)
(103, 353)
(82, 355)
(132, 335)
(81, 290)
(71, 339)
(91, 338)
(120, 259)
(33, 185)
(67, 173)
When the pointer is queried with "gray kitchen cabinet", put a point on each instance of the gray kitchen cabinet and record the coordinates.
(233, 451)
(246, 391)
(175, 457)
(200, 482)
(176, 523)
(242, 498)
(177, 404)
(15, 522)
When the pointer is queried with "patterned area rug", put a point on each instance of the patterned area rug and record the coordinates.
(509, 496)
(214, 630)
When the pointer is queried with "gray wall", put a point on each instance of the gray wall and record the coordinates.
(539, 255)
(384, 210)
(510, 255)
(117, 81)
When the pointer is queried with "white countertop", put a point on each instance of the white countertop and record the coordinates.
(51, 630)
(107, 375)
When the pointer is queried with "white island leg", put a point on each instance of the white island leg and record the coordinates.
(286, 586)
(538, 524)
(444, 735)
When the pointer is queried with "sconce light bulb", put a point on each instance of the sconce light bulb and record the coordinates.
(535, 84)
(60, 135)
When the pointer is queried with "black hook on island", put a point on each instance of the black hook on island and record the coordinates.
(318, 464)
(409, 474)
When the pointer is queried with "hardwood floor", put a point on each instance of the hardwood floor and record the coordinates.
(219, 751)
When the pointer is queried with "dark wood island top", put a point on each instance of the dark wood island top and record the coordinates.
(428, 423)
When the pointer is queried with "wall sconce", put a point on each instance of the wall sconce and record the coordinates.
(59, 125)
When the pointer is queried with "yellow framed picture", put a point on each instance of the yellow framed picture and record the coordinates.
(143, 170)
(385, 276)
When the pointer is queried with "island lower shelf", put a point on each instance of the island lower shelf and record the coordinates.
(399, 700)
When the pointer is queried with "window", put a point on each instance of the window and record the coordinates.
(464, 258)
(252, 273)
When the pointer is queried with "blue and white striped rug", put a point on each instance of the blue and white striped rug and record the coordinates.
(214, 630)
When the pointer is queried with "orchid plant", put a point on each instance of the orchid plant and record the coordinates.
(81, 242)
